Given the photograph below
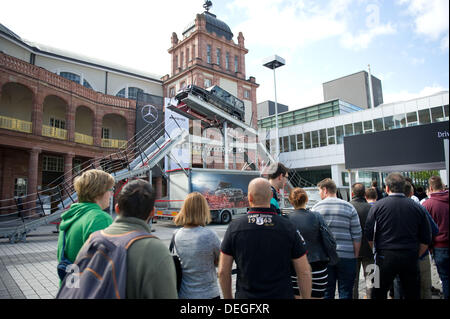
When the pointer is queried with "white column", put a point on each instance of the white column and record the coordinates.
(336, 174)
(225, 144)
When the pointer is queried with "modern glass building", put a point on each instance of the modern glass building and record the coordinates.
(308, 114)
(311, 139)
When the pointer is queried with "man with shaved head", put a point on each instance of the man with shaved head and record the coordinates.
(264, 246)
(259, 191)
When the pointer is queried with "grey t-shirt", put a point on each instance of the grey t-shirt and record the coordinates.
(198, 249)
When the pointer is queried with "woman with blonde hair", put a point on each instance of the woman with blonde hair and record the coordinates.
(94, 189)
(198, 248)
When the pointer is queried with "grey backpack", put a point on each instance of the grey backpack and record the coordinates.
(100, 269)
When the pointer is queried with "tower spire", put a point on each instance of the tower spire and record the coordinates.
(207, 5)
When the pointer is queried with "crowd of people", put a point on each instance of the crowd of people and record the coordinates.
(277, 255)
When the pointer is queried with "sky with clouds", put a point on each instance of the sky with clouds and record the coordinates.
(406, 42)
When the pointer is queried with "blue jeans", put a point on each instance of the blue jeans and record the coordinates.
(344, 272)
(441, 259)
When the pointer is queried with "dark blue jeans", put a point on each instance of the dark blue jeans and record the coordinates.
(441, 259)
(344, 273)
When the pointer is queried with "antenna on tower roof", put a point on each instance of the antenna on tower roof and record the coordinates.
(207, 5)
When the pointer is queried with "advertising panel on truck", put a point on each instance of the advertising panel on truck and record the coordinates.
(225, 189)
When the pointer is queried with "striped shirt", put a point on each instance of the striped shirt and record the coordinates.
(343, 221)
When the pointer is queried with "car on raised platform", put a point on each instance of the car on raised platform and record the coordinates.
(216, 96)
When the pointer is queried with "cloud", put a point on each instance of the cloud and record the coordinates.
(364, 38)
(417, 61)
(296, 24)
(386, 76)
(431, 18)
(405, 95)
(288, 24)
(444, 43)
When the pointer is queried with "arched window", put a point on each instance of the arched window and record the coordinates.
(86, 84)
(129, 92)
(71, 76)
(75, 78)
(122, 93)
(133, 92)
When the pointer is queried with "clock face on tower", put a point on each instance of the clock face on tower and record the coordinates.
(149, 113)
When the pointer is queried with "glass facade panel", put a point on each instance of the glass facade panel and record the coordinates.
(378, 125)
(326, 115)
(446, 112)
(293, 143)
(339, 134)
(437, 114)
(323, 137)
(331, 136)
(317, 112)
(307, 137)
(286, 143)
(299, 141)
(399, 120)
(315, 138)
(411, 118)
(388, 123)
(424, 116)
(348, 129)
(358, 128)
(311, 118)
(368, 128)
(367, 177)
(345, 181)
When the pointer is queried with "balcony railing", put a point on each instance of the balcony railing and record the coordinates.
(111, 143)
(38, 73)
(84, 139)
(55, 132)
(10, 123)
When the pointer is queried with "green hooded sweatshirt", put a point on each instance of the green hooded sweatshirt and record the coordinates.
(80, 221)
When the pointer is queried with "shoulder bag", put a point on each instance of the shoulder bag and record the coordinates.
(176, 261)
(328, 243)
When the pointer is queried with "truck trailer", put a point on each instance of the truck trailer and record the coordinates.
(224, 190)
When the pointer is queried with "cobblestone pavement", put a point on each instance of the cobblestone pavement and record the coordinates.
(28, 270)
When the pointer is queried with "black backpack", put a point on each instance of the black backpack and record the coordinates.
(100, 269)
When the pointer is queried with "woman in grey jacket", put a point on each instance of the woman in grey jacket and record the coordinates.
(198, 248)
(308, 222)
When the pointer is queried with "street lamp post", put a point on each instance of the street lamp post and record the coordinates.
(274, 62)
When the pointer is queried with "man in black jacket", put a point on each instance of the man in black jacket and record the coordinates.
(402, 234)
(365, 257)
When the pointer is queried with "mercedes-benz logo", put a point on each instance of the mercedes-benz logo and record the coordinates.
(149, 113)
